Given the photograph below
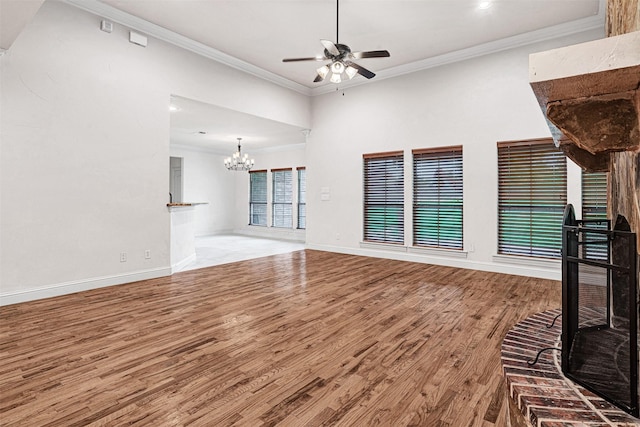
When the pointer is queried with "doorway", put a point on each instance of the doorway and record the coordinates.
(175, 179)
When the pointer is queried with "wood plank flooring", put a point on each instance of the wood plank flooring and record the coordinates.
(308, 338)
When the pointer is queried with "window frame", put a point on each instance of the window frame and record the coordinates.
(302, 198)
(438, 205)
(252, 196)
(537, 174)
(381, 198)
(282, 198)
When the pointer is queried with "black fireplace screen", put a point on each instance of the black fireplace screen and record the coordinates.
(599, 308)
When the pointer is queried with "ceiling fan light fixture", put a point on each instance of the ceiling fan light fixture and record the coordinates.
(351, 72)
(337, 67)
(335, 78)
(323, 71)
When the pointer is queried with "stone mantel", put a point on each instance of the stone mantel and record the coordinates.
(590, 95)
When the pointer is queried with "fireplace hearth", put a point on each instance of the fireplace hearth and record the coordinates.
(600, 309)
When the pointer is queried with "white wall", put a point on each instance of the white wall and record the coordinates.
(205, 179)
(227, 192)
(474, 103)
(85, 149)
(275, 158)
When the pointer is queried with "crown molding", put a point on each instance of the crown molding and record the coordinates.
(549, 33)
(108, 12)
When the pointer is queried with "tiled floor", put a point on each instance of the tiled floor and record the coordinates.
(223, 249)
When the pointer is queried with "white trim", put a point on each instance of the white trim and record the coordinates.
(268, 232)
(528, 261)
(432, 252)
(178, 266)
(556, 31)
(532, 269)
(105, 11)
(439, 252)
(81, 285)
(383, 246)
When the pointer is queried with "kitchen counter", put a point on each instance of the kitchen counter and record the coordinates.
(183, 204)
(183, 248)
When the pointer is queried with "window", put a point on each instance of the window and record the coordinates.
(282, 209)
(594, 207)
(302, 198)
(437, 197)
(594, 195)
(532, 194)
(258, 197)
(384, 197)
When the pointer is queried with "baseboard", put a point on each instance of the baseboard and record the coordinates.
(535, 270)
(81, 285)
(289, 234)
(182, 264)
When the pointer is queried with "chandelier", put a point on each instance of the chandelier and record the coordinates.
(238, 162)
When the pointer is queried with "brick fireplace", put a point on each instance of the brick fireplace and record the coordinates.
(539, 394)
(590, 96)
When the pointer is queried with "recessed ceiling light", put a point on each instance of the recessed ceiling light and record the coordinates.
(484, 5)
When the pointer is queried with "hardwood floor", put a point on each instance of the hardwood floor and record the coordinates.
(305, 338)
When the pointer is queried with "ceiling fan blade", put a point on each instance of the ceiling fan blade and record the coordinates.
(330, 47)
(371, 54)
(362, 71)
(310, 58)
(318, 79)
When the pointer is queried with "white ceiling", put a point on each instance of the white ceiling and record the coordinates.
(255, 35)
(221, 127)
(263, 32)
(14, 16)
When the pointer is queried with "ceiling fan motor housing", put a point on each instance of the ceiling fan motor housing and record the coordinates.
(344, 50)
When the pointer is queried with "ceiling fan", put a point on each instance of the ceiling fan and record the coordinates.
(341, 58)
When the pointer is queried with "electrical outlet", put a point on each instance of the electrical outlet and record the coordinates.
(123, 257)
(147, 254)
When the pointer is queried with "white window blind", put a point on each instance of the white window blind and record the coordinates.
(282, 209)
(302, 198)
(532, 194)
(258, 197)
(384, 197)
(437, 197)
